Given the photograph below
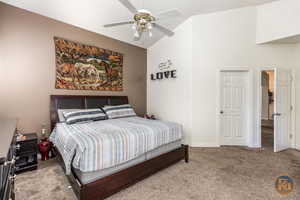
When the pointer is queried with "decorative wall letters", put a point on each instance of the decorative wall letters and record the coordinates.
(165, 72)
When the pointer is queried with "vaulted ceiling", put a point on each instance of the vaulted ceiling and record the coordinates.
(93, 14)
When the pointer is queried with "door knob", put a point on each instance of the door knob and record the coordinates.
(221, 112)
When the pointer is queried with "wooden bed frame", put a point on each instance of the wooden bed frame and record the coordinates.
(107, 186)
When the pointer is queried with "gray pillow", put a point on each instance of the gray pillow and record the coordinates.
(121, 111)
(84, 116)
(61, 115)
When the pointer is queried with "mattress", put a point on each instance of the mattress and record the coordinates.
(104, 144)
(88, 177)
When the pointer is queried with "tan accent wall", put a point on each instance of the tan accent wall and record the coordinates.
(27, 66)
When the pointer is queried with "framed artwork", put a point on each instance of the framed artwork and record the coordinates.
(84, 67)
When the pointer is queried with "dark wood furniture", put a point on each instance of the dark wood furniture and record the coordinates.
(105, 187)
(81, 102)
(7, 159)
(26, 153)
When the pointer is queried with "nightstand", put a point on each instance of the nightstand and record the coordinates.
(26, 153)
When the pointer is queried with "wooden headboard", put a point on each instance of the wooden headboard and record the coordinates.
(80, 102)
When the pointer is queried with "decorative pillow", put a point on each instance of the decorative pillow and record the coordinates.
(121, 111)
(84, 115)
(61, 115)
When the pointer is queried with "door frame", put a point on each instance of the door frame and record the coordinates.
(259, 107)
(249, 107)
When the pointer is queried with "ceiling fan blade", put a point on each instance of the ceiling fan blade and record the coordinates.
(129, 6)
(138, 38)
(164, 30)
(168, 14)
(118, 24)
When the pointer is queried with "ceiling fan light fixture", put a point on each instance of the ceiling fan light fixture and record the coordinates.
(150, 33)
(149, 26)
(144, 22)
(134, 27)
(136, 34)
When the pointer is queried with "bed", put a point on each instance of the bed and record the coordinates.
(96, 182)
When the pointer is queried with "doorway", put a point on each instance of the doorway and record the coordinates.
(267, 108)
(275, 110)
(234, 107)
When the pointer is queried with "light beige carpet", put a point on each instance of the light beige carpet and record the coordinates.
(267, 133)
(227, 173)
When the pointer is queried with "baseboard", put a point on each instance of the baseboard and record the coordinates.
(254, 146)
(204, 144)
(198, 144)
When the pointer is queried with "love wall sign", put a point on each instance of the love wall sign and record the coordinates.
(166, 71)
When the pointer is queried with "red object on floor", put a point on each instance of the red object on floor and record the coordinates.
(44, 147)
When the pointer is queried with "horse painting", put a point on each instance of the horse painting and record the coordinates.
(84, 67)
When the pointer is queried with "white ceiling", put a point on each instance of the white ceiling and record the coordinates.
(93, 14)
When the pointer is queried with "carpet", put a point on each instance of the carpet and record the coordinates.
(267, 133)
(226, 173)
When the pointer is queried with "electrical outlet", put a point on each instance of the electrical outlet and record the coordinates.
(291, 136)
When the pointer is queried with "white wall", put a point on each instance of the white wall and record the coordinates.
(278, 20)
(219, 40)
(296, 64)
(170, 99)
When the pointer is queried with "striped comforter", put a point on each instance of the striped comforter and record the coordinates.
(103, 144)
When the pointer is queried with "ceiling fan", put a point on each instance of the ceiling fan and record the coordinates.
(143, 21)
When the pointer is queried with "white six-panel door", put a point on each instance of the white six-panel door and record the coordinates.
(282, 108)
(233, 113)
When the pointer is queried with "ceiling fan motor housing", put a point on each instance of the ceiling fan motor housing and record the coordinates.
(142, 19)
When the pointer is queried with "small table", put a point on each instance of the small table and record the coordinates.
(26, 153)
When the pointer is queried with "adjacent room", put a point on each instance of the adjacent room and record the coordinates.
(149, 100)
(267, 108)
